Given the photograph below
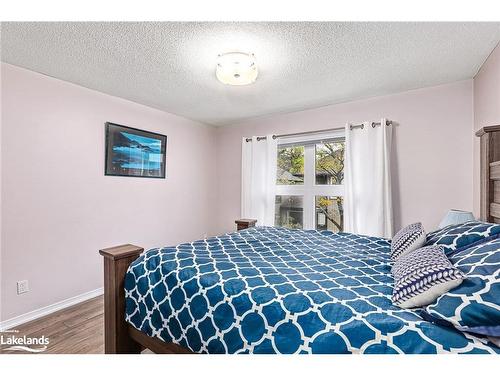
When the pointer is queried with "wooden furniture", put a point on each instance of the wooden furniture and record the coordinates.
(490, 173)
(245, 223)
(119, 336)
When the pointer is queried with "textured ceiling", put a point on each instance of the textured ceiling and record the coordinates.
(171, 66)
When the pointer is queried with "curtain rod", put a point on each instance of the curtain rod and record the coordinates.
(351, 127)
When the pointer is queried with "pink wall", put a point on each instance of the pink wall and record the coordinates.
(432, 164)
(59, 208)
(486, 107)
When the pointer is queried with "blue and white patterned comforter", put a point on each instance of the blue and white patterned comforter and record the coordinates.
(275, 290)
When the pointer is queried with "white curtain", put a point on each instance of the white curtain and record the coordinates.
(368, 199)
(258, 179)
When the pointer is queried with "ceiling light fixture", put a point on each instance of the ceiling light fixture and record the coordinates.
(236, 68)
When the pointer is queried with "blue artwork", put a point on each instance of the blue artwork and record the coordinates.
(133, 152)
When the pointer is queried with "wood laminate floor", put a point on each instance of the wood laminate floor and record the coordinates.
(78, 329)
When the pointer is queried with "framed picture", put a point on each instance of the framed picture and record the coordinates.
(133, 152)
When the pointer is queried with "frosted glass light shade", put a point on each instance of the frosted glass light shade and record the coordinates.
(454, 217)
(236, 68)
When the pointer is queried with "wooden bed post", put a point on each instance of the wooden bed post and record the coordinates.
(490, 173)
(245, 223)
(116, 331)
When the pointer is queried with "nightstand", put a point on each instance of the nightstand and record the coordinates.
(245, 223)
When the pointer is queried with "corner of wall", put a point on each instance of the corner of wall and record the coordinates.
(486, 111)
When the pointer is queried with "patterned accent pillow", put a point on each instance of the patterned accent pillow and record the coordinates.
(422, 275)
(407, 239)
(474, 306)
(461, 236)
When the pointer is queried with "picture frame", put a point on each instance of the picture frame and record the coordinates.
(132, 152)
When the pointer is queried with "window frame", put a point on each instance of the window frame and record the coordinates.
(309, 189)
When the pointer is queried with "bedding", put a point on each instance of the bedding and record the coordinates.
(407, 239)
(458, 237)
(276, 290)
(421, 276)
(474, 306)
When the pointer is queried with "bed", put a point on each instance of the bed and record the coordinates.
(276, 290)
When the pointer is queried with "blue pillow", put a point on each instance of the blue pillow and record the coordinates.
(421, 276)
(474, 306)
(461, 236)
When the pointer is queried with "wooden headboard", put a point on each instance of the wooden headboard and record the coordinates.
(490, 173)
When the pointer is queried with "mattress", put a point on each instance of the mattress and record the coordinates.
(277, 290)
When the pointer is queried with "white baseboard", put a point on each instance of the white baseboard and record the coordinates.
(38, 313)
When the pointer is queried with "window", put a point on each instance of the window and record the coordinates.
(329, 213)
(290, 165)
(289, 211)
(309, 183)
